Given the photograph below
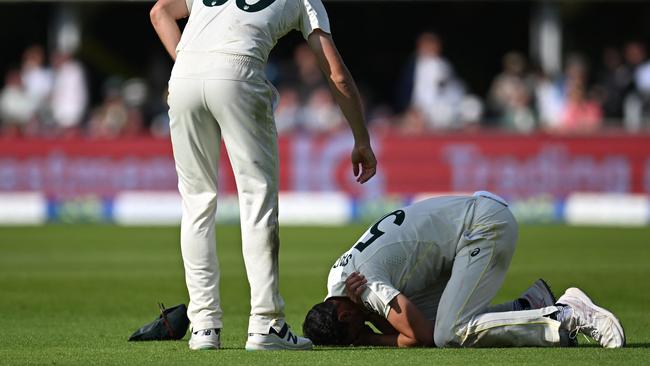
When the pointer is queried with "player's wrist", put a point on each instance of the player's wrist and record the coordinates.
(361, 135)
(362, 143)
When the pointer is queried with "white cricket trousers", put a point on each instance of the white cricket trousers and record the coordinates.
(213, 96)
(484, 253)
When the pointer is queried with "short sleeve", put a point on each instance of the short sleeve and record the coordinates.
(313, 16)
(377, 297)
(189, 5)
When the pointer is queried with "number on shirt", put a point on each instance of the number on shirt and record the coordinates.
(241, 4)
(211, 3)
(376, 233)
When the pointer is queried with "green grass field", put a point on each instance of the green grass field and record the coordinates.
(71, 295)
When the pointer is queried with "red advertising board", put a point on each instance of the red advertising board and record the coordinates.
(512, 165)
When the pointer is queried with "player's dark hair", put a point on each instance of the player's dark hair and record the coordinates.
(323, 327)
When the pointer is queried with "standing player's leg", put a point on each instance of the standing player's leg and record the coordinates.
(195, 139)
(245, 114)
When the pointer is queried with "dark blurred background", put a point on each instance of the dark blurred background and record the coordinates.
(377, 39)
(527, 98)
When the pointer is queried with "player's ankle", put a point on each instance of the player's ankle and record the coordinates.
(563, 315)
(521, 304)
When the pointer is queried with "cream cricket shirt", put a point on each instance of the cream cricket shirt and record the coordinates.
(409, 251)
(248, 27)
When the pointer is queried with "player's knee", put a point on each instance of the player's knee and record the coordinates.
(444, 337)
(203, 203)
(209, 199)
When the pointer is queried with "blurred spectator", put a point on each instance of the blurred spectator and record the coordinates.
(155, 109)
(135, 93)
(16, 106)
(120, 113)
(563, 104)
(412, 122)
(36, 78)
(445, 111)
(509, 97)
(38, 100)
(504, 85)
(580, 113)
(69, 92)
(470, 112)
(381, 119)
(108, 119)
(428, 64)
(519, 116)
(321, 114)
(635, 55)
(287, 113)
(160, 122)
(612, 84)
(642, 82)
(642, 78)
(429, 86)
(549, 101)
(575, 73)
(310, 76)
(635, 108)
(431, 75)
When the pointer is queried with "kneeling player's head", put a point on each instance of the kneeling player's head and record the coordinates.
(335, 322)
(323, 327)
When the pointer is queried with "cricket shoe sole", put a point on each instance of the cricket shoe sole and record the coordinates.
(284, 339)
(205, 339)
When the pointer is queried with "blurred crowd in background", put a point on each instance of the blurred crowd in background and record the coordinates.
(47, 95)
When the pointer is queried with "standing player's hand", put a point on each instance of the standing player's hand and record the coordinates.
(364, 164)
(355, 285)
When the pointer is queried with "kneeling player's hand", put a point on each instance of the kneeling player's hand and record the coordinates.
(355, 285)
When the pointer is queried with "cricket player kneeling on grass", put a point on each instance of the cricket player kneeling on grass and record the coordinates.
(424, 275)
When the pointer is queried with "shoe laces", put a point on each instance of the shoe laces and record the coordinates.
(590, 329)
(574, 333)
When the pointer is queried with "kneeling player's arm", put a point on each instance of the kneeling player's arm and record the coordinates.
(381, 324)
(405, 327)
(414, 329)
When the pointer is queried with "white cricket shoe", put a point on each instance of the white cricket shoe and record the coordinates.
(280, 337)
(539, 295)
(205, 339)
(592, 320)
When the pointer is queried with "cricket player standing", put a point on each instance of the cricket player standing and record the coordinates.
(425, 274)
(218, 90)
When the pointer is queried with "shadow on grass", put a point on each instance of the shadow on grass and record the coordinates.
(362, 349)
(637, 345)
(327, 349)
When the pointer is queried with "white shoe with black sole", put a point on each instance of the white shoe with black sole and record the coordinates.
(205, 339)
(282, 339)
